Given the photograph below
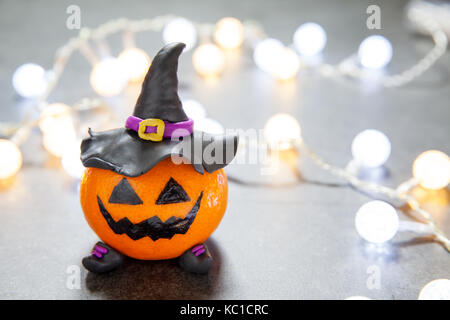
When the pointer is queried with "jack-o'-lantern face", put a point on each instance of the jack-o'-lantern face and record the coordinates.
(158, 215)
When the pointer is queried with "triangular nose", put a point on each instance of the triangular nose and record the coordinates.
(159, 95)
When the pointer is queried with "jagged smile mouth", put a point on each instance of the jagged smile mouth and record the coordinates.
(152, 227)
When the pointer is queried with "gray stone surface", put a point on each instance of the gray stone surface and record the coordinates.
(292, 242)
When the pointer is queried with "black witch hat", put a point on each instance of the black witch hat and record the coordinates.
(158, 128)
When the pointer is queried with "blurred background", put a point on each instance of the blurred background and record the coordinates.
(294, 241)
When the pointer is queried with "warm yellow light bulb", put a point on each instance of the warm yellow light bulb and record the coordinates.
(208, 60)
(108, 77)
(286, 65)
(136, 62)
(432, 169)
(229, 33)
(282, 131)
(59, 138)
(10, 159)
(55, 114)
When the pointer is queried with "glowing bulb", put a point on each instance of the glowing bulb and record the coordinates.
(438, 289)
(282, 131)
(194, 109)
(180, 30)
(136, 62)
(432, 169)
(229, 33)
(310, 39)
(377, 221)
(108, 77)
(59, 138)
(208, 60)
(371, 148)
(267, 54)
(375, 52)
(287, 65)
(29, 80)
(55, 115)
(209, 125)
(10, 159)
(71, 161)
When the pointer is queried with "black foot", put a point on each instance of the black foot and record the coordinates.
(196, 260)
(103, 259)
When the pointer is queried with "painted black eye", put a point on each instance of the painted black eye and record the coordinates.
(172, 193)
(123, 193)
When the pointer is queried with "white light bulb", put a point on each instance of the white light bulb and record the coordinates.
(194, 109)
(432, 169)
(229, 33)
(377, 221)
(282, 131)
(10, 159)
(310, 39)
(371, 148)
(286, 66)
(55, 115)
(267, 53)
(109, 77)
(29, 80)
(438, 289)
(208, 60)
(136, 62)
(209, 126)
(180, 30)
(59, 138)
(375, 52)
(71, 161)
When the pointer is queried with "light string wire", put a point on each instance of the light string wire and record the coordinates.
(19, 132)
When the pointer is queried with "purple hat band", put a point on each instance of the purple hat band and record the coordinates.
(156, 129)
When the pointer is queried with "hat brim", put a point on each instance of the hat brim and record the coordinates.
(122, 151)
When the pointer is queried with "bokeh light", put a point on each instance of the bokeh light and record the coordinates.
(438, 289)
(29, 80)
(194, 109)
(208, 60)
(282, 131)
(136, 62)
(180, 30)
(371, 148)
(70, 160)
(377, 221)
(432, 169)
(229, 33)
(310, 39)
(109, 77)
(375, 52)
(10, 159)
(55, 115)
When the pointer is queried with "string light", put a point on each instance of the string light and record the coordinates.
(208, 60)
(432, 169)
(371, 148)
(71, 161)
(136, 62)
(229, 33)
(282, 131)
(109, 77)
(377, 221)
(180, 30)
(29, 80)
(438, 289)
(55, 115)
(375, 52)
(10, 159)
(194, 109)
(310, 39)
